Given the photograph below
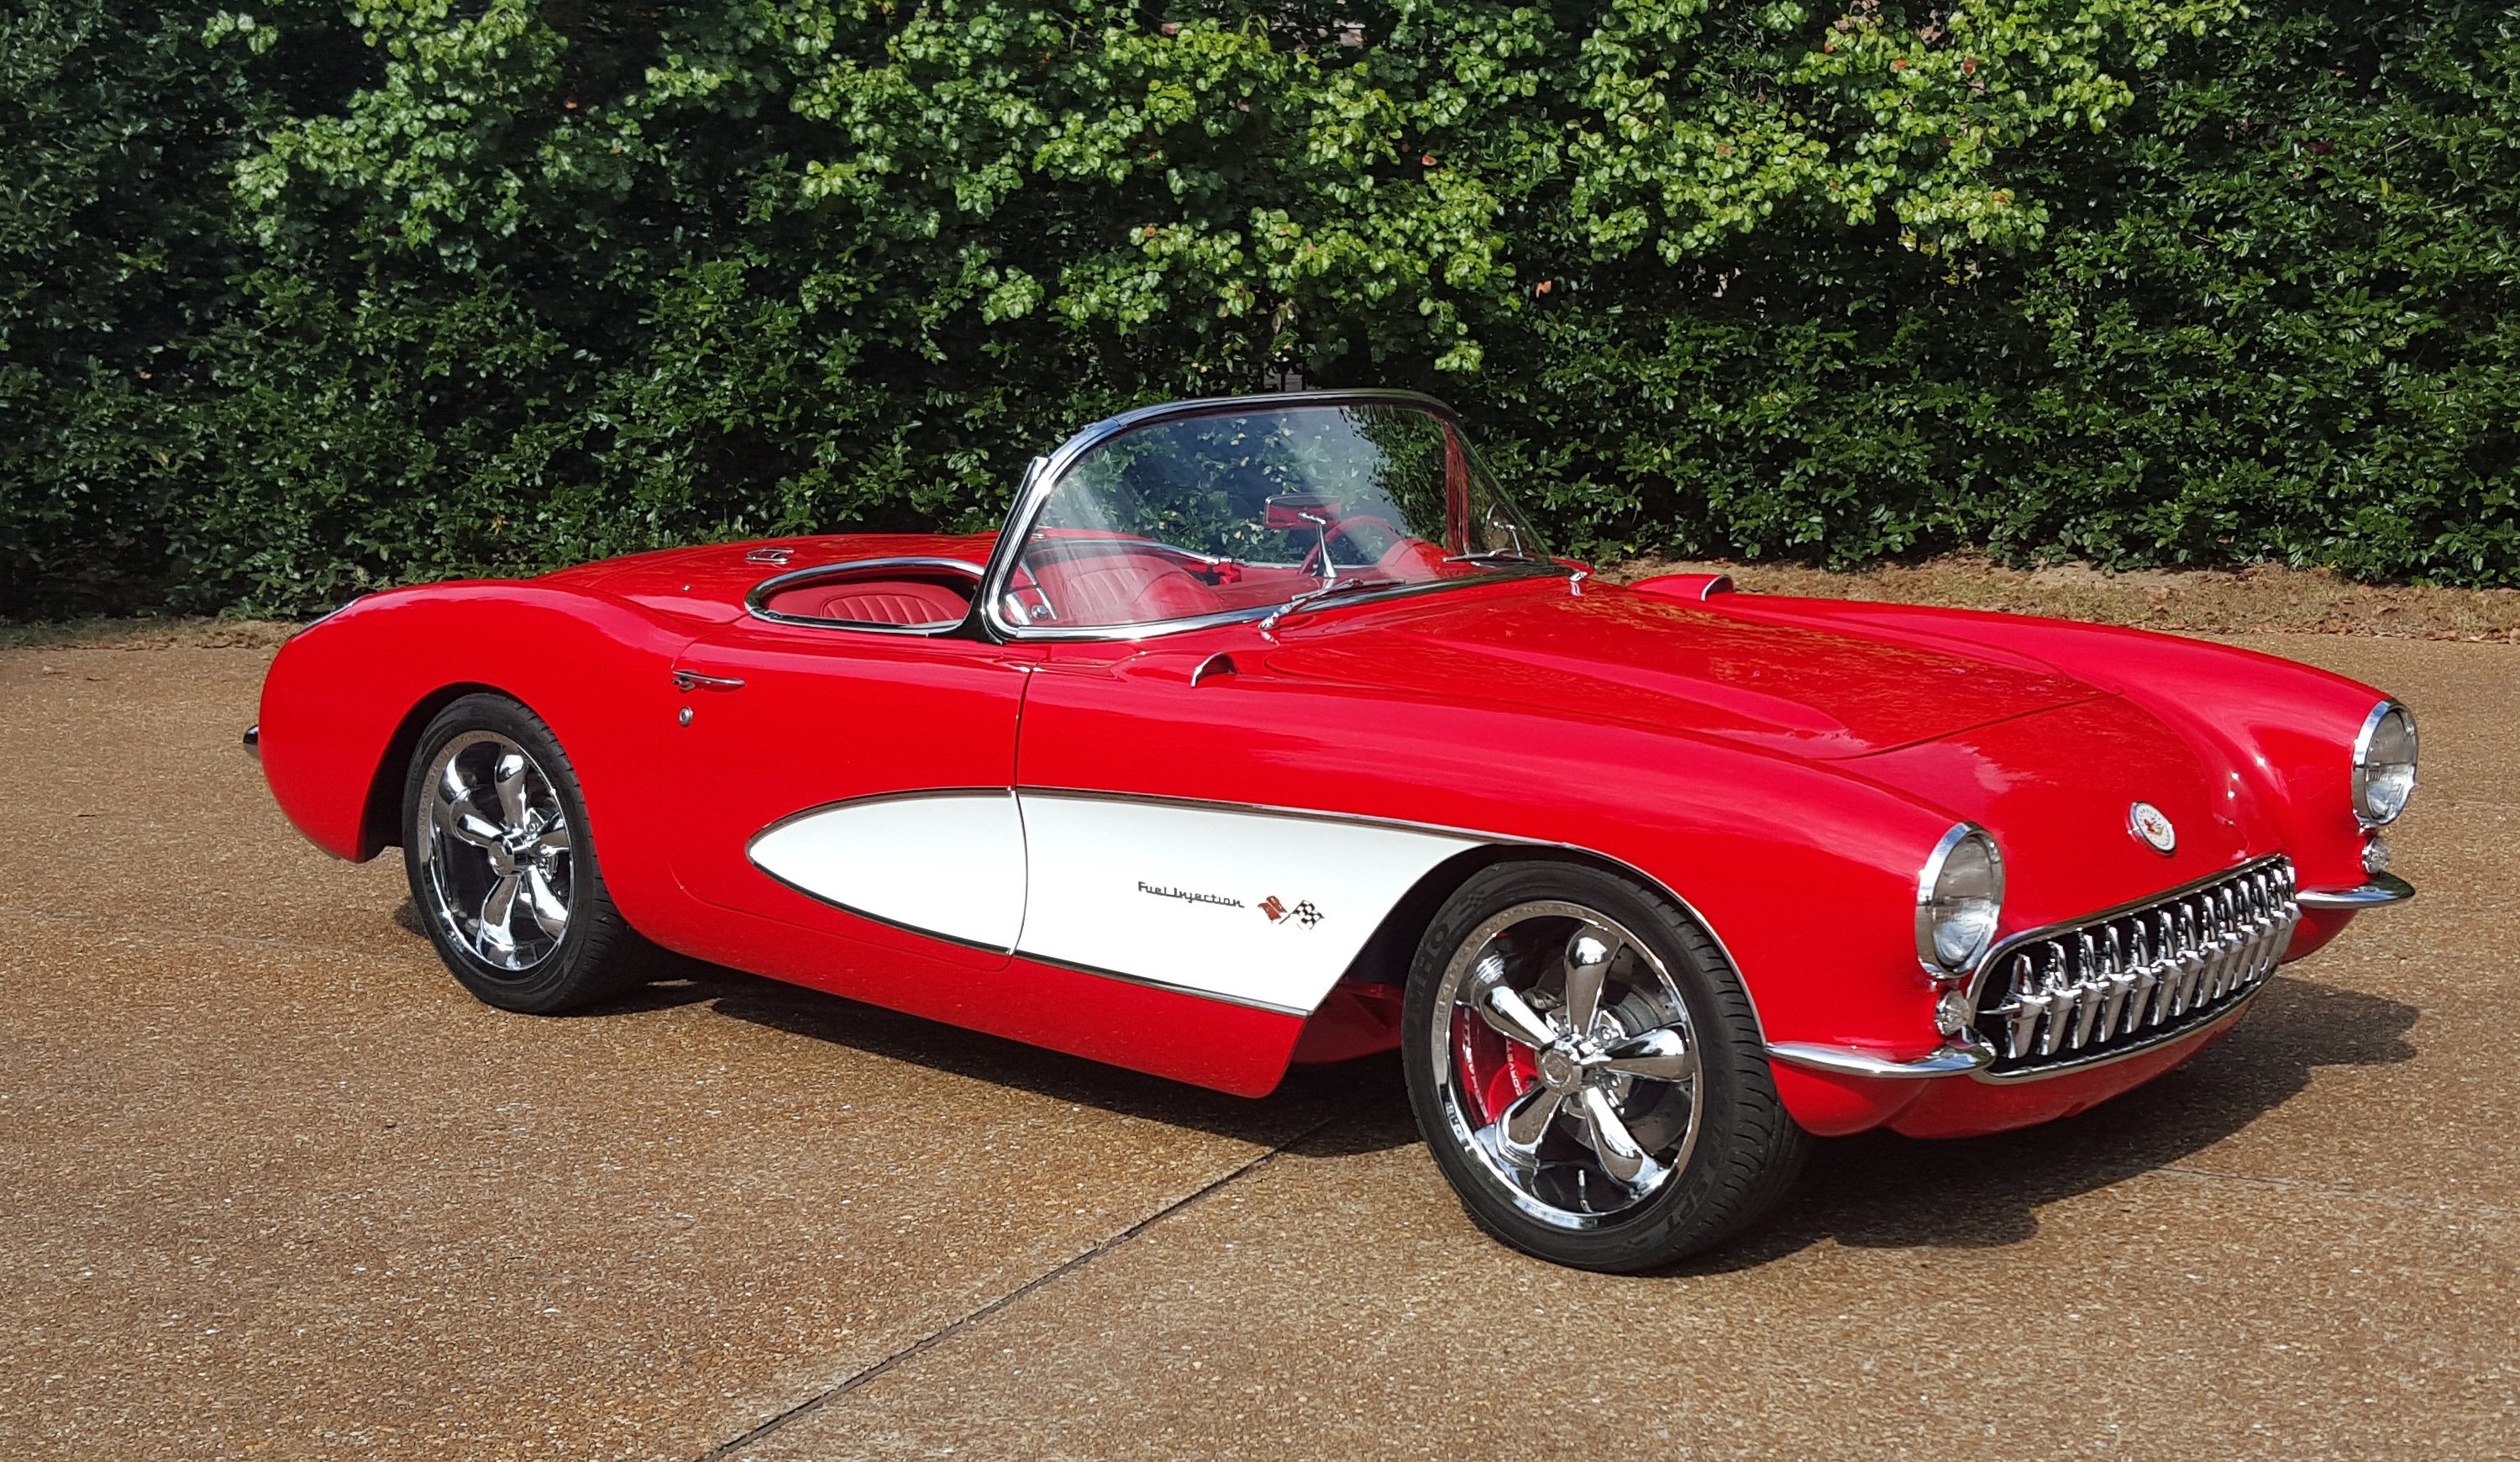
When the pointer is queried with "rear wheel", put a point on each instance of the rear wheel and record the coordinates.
(1586, 1068)
(502, 871)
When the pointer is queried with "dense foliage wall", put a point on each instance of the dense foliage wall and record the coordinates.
(297, 298)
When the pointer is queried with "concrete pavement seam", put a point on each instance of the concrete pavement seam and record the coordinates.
(725, 1451)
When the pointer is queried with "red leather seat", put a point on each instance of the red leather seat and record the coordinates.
(888, 601)
(1136, 589)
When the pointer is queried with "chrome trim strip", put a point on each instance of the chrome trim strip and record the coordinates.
(254, 741)
(1166, 986)
(828, 902)
(749, 843)
(1474, 835)
(755, 602)
(1759, 1026)
(2383, 890)
(1044, 473)
(1956, 1059)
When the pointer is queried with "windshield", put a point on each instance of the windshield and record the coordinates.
(1253, 509)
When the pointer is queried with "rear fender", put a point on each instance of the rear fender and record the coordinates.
(346, 699)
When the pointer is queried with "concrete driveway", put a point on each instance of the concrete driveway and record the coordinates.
(271, 1184)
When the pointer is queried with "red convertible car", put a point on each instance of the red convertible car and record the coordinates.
(1268, 731)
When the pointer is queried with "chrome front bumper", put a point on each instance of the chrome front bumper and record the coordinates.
(2383, 890)
(1973, 1055)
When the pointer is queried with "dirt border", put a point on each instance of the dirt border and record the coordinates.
(2194, 601)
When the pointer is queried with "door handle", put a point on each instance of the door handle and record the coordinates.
(692, 680)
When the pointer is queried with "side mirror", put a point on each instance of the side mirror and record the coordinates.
(1294, 511)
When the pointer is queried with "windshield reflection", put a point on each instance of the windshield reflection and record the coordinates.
(1252, 510)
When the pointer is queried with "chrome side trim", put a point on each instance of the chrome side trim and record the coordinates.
(1959, 1058)
(254, 741)
(1758, 1024)
(2383, 890)
(753, 862)
(756, 602)
(1166, 986)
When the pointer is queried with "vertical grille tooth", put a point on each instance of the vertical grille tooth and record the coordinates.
(2173, 978)
(2088, 1012)
(2060, 999)
(2078, 992)
(2027, 1007)
(2113, 968)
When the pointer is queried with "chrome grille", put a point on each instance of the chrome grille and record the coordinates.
(2117, 980)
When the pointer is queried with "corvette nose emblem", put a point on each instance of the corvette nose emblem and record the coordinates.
(2145, 821)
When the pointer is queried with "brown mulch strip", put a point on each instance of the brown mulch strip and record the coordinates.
(2202, 601)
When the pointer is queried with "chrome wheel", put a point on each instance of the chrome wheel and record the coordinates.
(1565, 1064)
(493, 844)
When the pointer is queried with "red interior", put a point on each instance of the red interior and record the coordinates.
(1126, 584)
(889, 599)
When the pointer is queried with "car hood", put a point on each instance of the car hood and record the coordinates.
(1609, 652)
(2058, 791)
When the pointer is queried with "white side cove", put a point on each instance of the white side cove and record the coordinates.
(1257, 907)
(946, 863)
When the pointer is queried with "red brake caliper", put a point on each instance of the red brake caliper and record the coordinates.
(1494, 1071)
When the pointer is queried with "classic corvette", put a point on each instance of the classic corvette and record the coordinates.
(1268, 731)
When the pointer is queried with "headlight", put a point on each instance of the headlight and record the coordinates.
(1958, 898)
(2384, 764)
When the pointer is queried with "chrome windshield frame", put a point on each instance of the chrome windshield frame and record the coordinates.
(1046, 473)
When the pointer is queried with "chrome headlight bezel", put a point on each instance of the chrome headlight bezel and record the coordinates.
(2380, 795)
(1970, 919)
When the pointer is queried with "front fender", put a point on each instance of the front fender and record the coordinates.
(2287, 727)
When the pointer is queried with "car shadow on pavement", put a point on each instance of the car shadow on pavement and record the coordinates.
(1310, 1096)
(1880, 1190)
(1877, 1190)
(1307, 1104)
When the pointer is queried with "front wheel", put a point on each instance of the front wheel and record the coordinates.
(1586, 1068)
(502, 870)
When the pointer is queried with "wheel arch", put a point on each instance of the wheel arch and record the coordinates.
(1332, 1032)
(380, 814)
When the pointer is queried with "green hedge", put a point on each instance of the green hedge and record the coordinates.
(302, 299)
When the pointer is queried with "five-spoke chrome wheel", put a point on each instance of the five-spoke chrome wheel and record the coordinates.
(492, 837)
(1566, 1063)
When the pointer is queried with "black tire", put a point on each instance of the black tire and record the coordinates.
(595, 955)
(1740, 1151)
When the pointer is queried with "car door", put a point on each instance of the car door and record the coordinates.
(857, 781)
(1174, 799)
